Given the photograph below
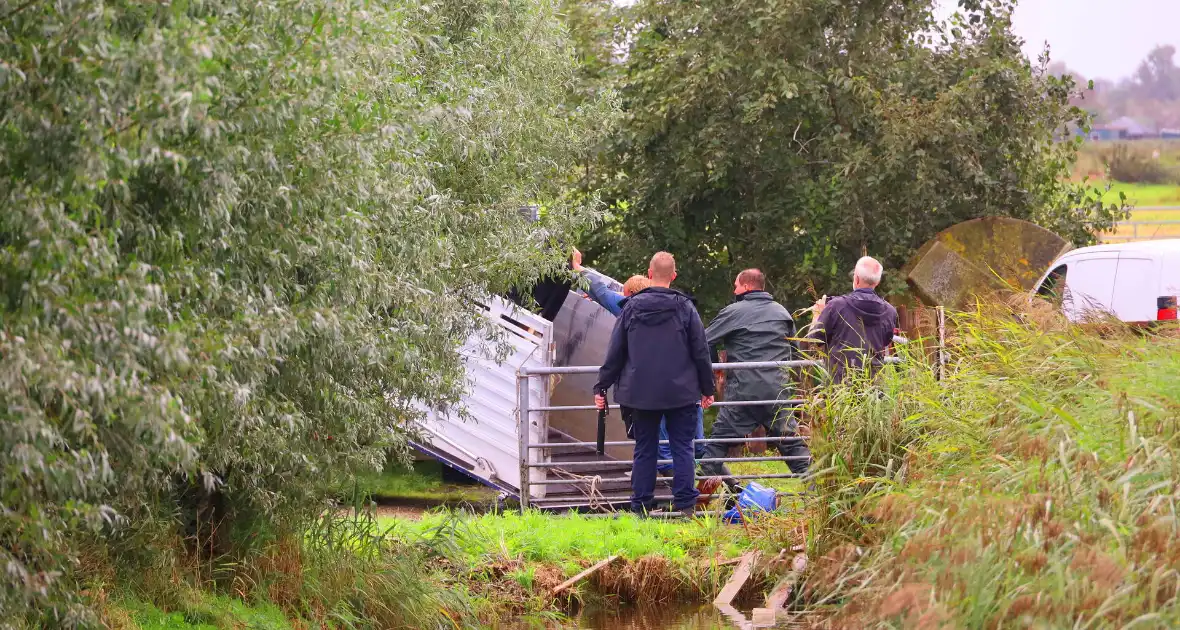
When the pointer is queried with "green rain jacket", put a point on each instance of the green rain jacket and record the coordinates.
(754, 328)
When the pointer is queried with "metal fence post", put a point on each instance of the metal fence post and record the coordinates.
(522, 428)
(941, 314)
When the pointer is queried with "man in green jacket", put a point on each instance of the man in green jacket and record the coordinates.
(755, 328)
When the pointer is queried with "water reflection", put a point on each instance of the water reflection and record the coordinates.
(673, 616)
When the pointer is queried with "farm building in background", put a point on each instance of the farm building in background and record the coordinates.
(1125, 128)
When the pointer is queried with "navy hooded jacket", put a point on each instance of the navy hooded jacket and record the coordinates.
(658, 358)
(855, 327)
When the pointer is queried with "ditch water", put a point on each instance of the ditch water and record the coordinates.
(678, 617)
(668, 616)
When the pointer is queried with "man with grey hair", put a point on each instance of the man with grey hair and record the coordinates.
(856, 328)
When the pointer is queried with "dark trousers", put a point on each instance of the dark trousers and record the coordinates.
(738, 422)
(681, 425)
(698, 448)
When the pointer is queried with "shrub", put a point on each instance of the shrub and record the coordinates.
(1133, 167)
(238, 246)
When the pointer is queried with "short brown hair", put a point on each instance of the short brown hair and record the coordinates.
(635, 284)
(752, 278)
(662, 267)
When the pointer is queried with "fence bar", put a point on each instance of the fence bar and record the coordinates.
(724, 367)
(668, 515)
(707, 460)
(781, 438)
(749, 365)
(658, 497)
(787, 402)
(563, 482)
(522, 428)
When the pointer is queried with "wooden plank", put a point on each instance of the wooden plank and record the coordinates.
(779, 596)
(737, 580)
(736, 617)
(763, 618)
(583, 575)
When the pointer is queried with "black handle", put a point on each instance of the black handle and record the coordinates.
(602, 428)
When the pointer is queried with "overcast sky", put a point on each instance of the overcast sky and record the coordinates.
(1097, 38)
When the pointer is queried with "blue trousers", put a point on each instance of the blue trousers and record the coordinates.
(666, 450)
(681, 425)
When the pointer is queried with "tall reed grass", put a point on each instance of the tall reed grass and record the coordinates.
(1036, 486)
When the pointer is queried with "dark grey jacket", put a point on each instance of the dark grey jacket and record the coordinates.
(754, 328)
(853, 328)
(657, 357)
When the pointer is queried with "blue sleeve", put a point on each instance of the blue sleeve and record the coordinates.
(616, 357)
(605, 297)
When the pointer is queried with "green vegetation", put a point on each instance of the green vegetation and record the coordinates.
(518, 559)
(423, 482)
(1034, 487)
(539, 537)
(1147, 195)
(794, 136)
(1144, 195)
(208, 613)
(240, 244)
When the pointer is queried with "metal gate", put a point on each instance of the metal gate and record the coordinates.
(573, 475)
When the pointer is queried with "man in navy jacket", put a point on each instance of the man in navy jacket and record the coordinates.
(613, 303)
(856, 329)
(658, 363)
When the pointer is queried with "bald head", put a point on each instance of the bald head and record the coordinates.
(867, 274)
(662, 269)
(749, 280)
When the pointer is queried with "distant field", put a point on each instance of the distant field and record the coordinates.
(1146, 196)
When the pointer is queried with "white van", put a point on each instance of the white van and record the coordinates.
(1135, 282)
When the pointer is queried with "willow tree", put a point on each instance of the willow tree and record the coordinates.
(793, 135)
(239, 239)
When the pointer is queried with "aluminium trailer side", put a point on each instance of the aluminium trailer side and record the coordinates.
(486, 444)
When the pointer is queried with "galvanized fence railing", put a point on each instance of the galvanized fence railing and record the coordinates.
(1168, 227)
(527, 466)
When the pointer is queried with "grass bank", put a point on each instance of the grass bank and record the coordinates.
(444, 570)
(515, 560)
(1035, 487)
(425, 482)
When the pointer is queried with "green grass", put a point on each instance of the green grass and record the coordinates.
(423, 482)
(519, 558)
(209, 612)
(541, 537)
(1143, 195)
(1034, 487)
(1146, 195)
